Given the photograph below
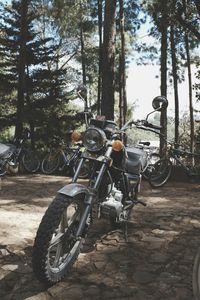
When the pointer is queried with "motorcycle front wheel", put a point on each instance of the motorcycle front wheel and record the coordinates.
(196, 276)
(160, 173)
(56, 249)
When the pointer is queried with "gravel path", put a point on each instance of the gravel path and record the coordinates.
(156, 262)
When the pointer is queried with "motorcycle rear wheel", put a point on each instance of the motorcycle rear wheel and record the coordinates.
(55, 249)
(161, 173)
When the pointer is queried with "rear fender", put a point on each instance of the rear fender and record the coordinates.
(73, 189)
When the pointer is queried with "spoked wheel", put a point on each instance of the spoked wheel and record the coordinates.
(196, 276)
(160, 173)
(50, 163)
(56, 248)
(154, 157)
(31, 161)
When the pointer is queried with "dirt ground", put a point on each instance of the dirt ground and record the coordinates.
(156, 262)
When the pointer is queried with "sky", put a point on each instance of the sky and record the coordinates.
(143, 86)
(143, 82)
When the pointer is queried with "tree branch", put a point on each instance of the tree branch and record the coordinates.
(188, 26)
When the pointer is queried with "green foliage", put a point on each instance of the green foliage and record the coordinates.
(46, 74)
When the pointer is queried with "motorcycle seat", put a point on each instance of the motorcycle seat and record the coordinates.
(5, 150)
(135, 161)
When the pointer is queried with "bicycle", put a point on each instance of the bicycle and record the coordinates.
(14, 154)
(152, 158)
(190, 162)
(62, 157)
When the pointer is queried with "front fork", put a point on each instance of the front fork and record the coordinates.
(89, 199)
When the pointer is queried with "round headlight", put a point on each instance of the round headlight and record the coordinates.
(94, 139)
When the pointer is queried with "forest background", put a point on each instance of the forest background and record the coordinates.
(48, 48)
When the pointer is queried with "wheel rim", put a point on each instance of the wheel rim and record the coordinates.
(63, 245)
(50, 163)
(160, 173)
(31, 162)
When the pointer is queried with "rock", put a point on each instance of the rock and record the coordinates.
(74, 292)
(92, 292)
(154, 242)
(100, 264)
(10, 267)
(158, 258)
(195, 223)
(158, 231)
(40, 296)
(4, 252)
(143, 277)
(169, 278)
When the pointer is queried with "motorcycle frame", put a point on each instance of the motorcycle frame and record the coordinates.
(91, 193)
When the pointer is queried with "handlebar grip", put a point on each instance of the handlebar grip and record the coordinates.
(153, 126)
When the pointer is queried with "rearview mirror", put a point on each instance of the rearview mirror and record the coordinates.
(159, 103)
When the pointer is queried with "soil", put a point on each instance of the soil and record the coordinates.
(155, 263)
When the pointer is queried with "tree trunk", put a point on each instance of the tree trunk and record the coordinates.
(83, 55)
(28, 101)
(107, 105)
(100, 26)
(21, 68)
(175, 82)
(163, 88)
(120, 94)
(123, 63)
(190, 94)
(190, 83)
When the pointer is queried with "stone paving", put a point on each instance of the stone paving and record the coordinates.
(156, 262)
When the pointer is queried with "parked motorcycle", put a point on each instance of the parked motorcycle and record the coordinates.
(113, 186)
(11, 155)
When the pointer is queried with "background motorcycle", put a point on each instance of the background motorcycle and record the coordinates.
(113, 187)
(12, 154)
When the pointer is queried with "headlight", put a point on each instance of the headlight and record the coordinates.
(94, 139)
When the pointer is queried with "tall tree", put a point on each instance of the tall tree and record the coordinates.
(100, 32)
(122, 63)
(107, 105)
(189, 83)
(23, 39)
(175, 82)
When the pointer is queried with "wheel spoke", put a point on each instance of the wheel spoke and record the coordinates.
(57, 250)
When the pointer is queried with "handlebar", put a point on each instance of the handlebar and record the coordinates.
(141, 124)
(150, 125)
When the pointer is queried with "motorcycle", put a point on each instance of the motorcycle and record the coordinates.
(113, 186)
(12, 154)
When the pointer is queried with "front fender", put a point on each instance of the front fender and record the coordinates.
(73, 189)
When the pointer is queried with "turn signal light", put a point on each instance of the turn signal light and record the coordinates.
(76, 136)
(117, 145)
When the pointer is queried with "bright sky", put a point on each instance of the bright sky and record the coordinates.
(143, 86)
(143, 82)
